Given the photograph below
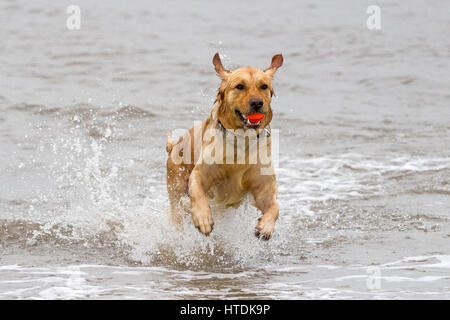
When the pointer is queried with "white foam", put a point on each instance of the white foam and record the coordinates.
(444, 262)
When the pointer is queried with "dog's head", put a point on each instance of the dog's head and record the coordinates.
(245, 92)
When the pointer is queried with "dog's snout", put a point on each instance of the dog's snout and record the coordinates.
(256, 104)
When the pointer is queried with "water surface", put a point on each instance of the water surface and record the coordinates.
(364, 174)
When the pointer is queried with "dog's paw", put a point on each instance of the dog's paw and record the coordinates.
(264, 229)
(204, 223)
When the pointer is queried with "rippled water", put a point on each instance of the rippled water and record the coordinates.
(364, 174)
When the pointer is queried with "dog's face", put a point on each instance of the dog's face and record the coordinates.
(244, 92)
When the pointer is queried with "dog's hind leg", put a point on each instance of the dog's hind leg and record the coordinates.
(177, 187)
(176, 213)
(177, 196)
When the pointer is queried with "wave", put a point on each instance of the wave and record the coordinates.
(85, 111)
(98, 190)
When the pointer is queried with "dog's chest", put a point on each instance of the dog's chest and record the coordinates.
(228, 192)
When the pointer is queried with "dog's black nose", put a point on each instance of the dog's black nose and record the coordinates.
(256, 104)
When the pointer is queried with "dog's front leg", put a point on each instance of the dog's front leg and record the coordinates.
(199, 184)
(265, 194)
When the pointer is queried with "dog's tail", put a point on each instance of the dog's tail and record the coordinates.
(169, 142)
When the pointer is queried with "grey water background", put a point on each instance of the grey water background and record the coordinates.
(364, 120)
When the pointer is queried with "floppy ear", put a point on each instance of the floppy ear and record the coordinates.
(277, 61)
(221, 71)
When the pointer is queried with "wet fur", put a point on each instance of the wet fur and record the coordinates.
(225, 183)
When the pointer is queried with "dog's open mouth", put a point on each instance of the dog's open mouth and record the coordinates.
(252, 120)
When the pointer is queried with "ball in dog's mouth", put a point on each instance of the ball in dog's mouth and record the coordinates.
(252, 120)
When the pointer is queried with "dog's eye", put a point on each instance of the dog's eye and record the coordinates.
(240, 87)
(264, 86)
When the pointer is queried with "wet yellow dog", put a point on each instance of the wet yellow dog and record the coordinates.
(243, 93)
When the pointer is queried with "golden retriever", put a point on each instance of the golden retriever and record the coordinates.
(242, 111)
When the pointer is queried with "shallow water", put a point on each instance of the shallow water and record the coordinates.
(364, 172)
